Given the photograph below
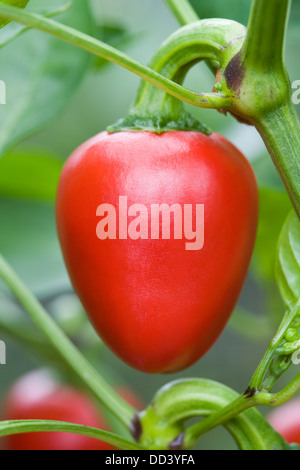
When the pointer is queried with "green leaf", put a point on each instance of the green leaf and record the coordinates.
(41, 74)
(29, 241)
(250, 325)
(288, 261)
(30, 175)
(13, 3)
(274, 205)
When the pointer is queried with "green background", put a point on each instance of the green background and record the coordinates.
(58, 97)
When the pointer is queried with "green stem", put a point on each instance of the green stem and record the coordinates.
(218, 404)
(21, 4)
(264, 437)
(287, 393)
(111, 54)
(256, 382)
(8, 428)
(183, 11)
(280, 366)
(186, 14)
(281, 133)
(23, 335)
(156, 111)
(16, 30)
(258, 79)
(266, 34)
(69, 353)
(221, 416)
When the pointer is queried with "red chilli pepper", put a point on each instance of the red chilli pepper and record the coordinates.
(157, 233)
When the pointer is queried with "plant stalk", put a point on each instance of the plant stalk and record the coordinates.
(68, 352)
(99, 48)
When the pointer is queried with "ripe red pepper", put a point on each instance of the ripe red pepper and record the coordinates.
(286, 421)
(158, 290)
(38, 396)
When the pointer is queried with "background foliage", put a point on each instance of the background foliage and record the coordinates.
(58, 97)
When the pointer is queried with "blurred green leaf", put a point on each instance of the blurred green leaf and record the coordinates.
(28, 240)
(31, 175)
(13, 3)
(288, 261)
(274, 208)
(13, 30)
(41, 74)
(266, 173)
(251, 326)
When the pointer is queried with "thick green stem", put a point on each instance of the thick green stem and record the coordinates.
(261, 87)
(8, 428)
(156, 111)
(281, 133)
(186, 14)
(266, 34)
(183, 11)
(69, 353)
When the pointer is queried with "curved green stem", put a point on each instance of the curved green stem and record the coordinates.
(17, 29)
(111, 54)
(223, 416)
(156, 111)
(69, 353)
(256, 91)
(264, 438)
(188, 398)
(186, 14)
(8, 428)
(259, 432)
(288, 392)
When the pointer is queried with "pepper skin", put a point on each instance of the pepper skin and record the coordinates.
(158, 305)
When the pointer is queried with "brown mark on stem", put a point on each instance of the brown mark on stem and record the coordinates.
(250, 392)
(136, 428)
(234, 73)
(177, 444)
